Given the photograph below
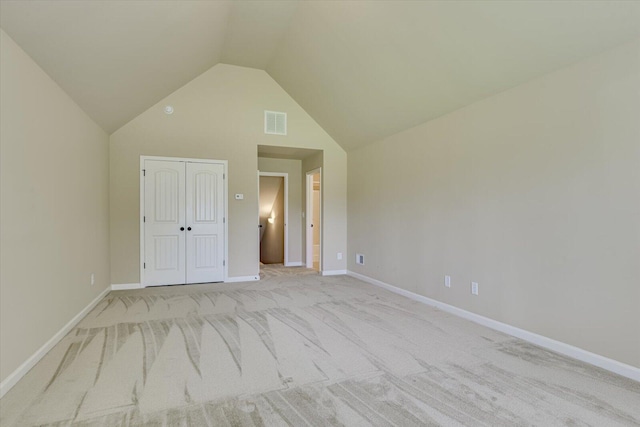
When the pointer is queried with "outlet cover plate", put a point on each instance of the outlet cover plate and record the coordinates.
(474, 288)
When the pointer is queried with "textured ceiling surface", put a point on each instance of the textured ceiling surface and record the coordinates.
(362, 69)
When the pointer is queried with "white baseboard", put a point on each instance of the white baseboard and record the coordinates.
(293, 264)
(242, 279)
(568, 350)
(333, 272)
(16, 375)
(125, 286)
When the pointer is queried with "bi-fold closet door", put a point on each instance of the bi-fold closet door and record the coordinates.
(183, 222)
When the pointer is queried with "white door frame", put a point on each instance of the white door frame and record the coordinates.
(284, 175)
(225, 163)
(309, 217)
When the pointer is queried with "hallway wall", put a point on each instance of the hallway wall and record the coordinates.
(296, 203)
(272, 242)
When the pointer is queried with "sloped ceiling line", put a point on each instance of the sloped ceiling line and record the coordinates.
(363, 70)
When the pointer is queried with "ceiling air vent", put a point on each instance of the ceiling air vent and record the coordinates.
(275, 123)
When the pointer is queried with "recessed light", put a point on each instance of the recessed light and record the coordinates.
(168, 109)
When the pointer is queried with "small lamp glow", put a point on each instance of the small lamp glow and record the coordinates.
(168, 109)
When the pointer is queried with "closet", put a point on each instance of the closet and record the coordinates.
(183, 218)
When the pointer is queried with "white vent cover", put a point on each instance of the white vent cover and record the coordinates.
(275, 123)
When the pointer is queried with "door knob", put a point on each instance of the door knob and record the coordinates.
(181, 228)
(311, 225)
(189, 228)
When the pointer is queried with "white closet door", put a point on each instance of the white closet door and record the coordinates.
(164, 240)
(205, 226)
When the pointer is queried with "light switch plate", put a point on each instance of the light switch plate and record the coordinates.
(239, 196)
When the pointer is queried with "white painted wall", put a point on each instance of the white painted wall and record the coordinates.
(219, 115)
(54, 208)
(534, 193)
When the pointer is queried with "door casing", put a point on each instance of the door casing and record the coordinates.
(309, 219)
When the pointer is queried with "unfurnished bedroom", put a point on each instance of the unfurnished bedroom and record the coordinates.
(319, 213)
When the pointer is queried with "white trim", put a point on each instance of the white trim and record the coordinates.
(242, 279)
(559, 347)
(309, 218)
(181, 159)
(226, 218)
(16, 375)
(225, 197)
(285, 176)
(125, 286)
(294, 264)
(333, 272)
(141, 214)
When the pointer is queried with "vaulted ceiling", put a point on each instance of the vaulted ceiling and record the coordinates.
(362, 69)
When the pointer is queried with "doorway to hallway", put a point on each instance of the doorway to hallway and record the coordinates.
(273, 217)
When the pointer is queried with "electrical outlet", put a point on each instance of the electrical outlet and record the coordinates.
(93, 279)
(360, 259)
(447, 281)
(474, 288)
(339, 255)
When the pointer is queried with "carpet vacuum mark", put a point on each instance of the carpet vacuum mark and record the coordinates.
(299, 349)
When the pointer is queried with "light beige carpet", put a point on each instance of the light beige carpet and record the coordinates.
(304, 350)
(273, 271)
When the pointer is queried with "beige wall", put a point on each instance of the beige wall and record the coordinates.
(534, 193)
(296, 227)
(272, 243)
(218, 115)
(53, 207)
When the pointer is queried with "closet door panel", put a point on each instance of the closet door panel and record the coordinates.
(164, 219)
(205, 222)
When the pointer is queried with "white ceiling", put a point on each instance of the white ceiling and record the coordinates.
(254, 31)
(362, 69)
(117, 58)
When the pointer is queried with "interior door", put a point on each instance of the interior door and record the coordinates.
(205, 222)
(164, 220)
